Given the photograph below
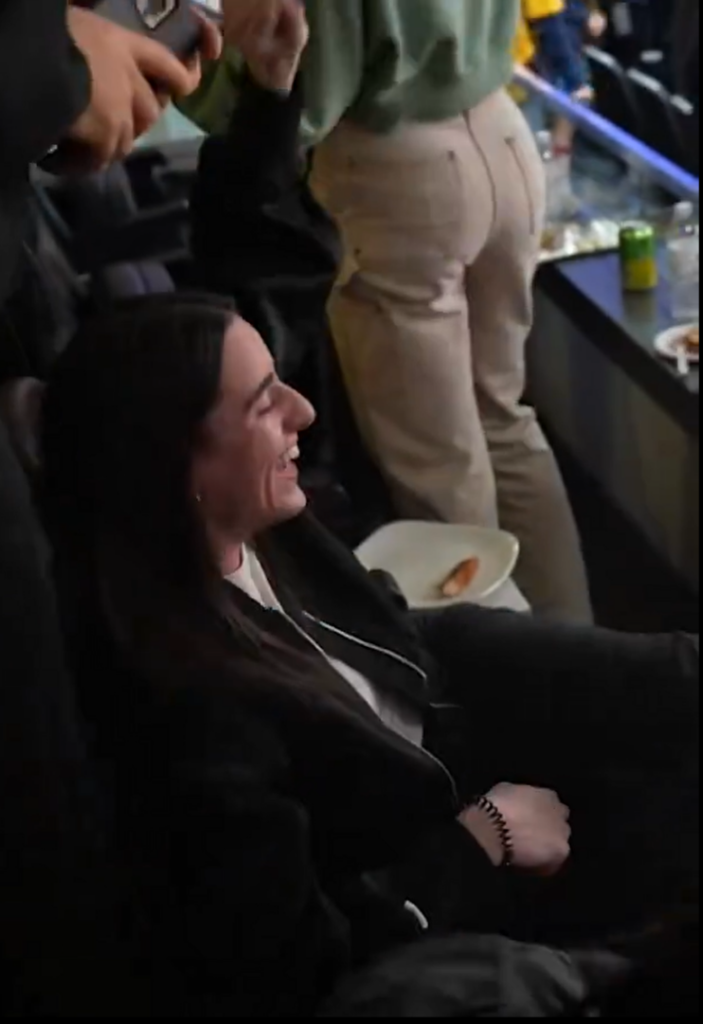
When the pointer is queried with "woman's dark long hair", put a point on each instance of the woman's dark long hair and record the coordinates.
(123, 417)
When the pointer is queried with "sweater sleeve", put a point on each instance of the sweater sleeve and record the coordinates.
(257, 233)
(253, 162)
(332, 74)
(334, 64)
(45, 81)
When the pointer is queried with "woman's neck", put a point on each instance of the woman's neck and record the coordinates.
(229, 551)
(231, 559)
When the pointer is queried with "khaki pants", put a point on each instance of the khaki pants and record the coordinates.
(442, 224)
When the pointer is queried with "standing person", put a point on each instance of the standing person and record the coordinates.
(434, 180)
(558, 29)
(586, 23)
(64, 75)
(556, 32)
(550, 40)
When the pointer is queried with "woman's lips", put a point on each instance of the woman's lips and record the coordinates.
(287, 462)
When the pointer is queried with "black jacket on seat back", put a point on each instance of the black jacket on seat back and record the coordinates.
(259, 234)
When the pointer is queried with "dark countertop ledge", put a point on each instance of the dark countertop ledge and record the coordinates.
(624, 327)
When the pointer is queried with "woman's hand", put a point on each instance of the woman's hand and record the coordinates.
(597, 24)
(585, 95)
(133, 78)
(538, 823)
(271, 35)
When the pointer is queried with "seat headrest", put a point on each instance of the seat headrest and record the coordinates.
(21, 403)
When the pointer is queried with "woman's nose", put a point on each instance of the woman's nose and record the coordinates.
(302, 413)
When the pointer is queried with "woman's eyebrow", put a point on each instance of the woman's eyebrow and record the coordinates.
(260, 391)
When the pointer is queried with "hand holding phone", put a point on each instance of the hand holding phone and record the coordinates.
(176, 24)
(133, 77)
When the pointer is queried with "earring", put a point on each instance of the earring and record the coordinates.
(199, 499)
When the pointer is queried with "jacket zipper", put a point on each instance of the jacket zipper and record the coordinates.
(513, 147)
(306, 636)
(370, 647)
(459, 804)
(403, 661)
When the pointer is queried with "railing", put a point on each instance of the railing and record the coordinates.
(630, 150)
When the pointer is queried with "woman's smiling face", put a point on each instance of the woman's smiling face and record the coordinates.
(244, 472)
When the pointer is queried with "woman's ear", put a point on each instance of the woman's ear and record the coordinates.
(197, 483)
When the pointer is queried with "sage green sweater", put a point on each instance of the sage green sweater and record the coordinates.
(382, 62)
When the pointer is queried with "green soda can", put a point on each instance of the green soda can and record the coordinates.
(638, 255)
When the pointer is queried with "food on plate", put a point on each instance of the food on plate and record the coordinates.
(460, 579)
(681, 345)
(692, 341)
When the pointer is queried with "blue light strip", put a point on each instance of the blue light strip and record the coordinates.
(633, 152)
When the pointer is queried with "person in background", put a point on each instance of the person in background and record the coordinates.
(65, 75)
(545, 44)
(434, 179)
(557, 30)
(69, 78)
(587, 23)
(551, 40)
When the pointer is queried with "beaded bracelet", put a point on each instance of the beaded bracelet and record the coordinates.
(493, 814)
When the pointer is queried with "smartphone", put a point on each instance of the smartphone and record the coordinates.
(170, 22)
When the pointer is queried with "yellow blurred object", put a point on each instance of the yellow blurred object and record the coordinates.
(532, 10)
(524, 51)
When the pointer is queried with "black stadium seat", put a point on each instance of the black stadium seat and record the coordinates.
(99, 220)
(660, 126)
(615, 95)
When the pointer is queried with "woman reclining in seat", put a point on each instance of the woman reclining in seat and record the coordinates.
(276, 726)
(294, 758)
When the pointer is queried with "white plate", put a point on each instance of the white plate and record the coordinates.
(668, 344)
(421, 556)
